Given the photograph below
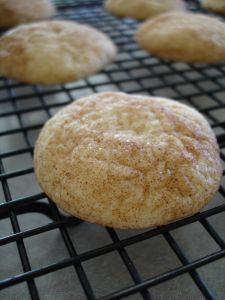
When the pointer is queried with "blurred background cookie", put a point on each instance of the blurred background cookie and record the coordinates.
(14, 12)
(142, 9)
(128, 161)
(54, 52)
(184, 37)
(214, 5)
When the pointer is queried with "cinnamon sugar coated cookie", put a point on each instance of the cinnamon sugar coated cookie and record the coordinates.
(14, 12)
(128, 161)
(184, 37)
(54, 52)
(142, 9)
(214, 5)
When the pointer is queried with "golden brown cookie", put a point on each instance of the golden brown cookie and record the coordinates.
(184, 37)
(14, 12)
(54, 52)
(128, 161)
(214, 5)
(142, 9)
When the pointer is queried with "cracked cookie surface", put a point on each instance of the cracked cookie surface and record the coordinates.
(188, 37)
(54, 52)
(128, 161)
(14, 12)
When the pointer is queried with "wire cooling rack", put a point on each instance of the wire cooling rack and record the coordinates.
(184, 260)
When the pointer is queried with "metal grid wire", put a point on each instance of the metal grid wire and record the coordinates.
(24, 109)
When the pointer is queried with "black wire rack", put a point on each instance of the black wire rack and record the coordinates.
(23, 111)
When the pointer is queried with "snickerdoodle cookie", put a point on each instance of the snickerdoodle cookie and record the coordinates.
(142, 9)
(184, 37)
(14, 12)
(54, 52)
(128, 161)
(214, 5)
